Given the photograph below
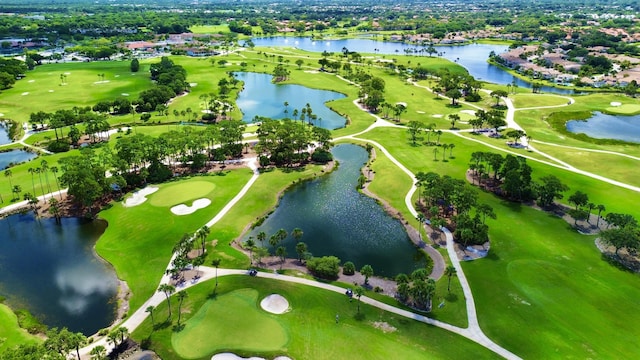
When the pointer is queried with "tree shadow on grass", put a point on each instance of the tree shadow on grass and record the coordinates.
(212, 295)
(451, 297)
(359, 316)
(163, 325)
(178, 327)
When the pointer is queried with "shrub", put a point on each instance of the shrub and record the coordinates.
(321, 156)
(327, 267)
(58, 146)
(348, 268)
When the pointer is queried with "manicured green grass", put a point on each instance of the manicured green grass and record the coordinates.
(10, 332)
(552, 283)
(309, 326)
(253, 331)
(210, 29)
(528, 100)
(138, 240)
(182, 192)
(42, 89)
(624, 109)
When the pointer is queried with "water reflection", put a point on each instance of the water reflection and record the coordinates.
(52, 270)
(604, 126)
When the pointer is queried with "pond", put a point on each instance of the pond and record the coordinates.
(603, 126)
(261, 97)
(338, 220)
(52, 271)
(472, 57)
(4, 135)
(15, 157)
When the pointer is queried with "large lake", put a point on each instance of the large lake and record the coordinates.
(473, 57)
(603, 126)
(52, 270)
(338, 220)
(261, 97)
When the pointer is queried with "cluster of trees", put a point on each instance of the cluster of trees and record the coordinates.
(10, 70)
(371, 92)
(417, 290)
(287, 142)
(256, 253)
(58, 345)
(171, 79)
(494, 118)
(445, 200)
(625, 233)
(456, 86)
(512, 173)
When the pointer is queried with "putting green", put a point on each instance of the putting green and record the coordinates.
(232, 321)
(181, 193)
(624, 109)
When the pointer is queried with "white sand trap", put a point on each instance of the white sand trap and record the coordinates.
(31, 81)
(470, 112)
(25, 93)
(50, 90)
(1, 114)
(140, 196)
(312, 72)
(437, 115)
(232, 356)
(275, 304)
(193, 84)
(402, 103)
(420, 112)
(615, 103)
(102, 82)
(117, 76)
(124, 94)
(67, 73)
(183, 209)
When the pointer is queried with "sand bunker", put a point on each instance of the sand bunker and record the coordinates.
(402, 103)
(470, 112)
(193, 84)
(183, 209)
(25, 93)
(312, 71)
(615, 103)
(50, 90)
(275, 304)
(140, 196)
(125, 94)
(31, 81)
(437, 115)
(420, 112)
(232, 356)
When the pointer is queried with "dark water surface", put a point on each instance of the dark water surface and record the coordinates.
(603, 126)
(338, 220)
(52, 270)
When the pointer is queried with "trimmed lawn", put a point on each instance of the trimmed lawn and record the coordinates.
(535, 100)
(254, 331)
(310, 328)
(138, 240)
(11, 334)
(182, 192)
(551, 283)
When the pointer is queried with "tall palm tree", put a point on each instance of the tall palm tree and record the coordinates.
(450, 271)
(9, 174)
(181, 296)
(600, 209)
(123, 332)
(358, 292)
(250, 244)
(150, 309)
(98, 353)
(202, 235)
(216, 263)
(54, 170)
(420, 219)
(33, 184)
(39, 172)
(281, 252)
(44, 165)
(167, 290)
(262, 236)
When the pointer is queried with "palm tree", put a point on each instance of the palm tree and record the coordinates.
(600, 209)
(301, 249)
(150, 309)
(39, 172)
(451, 146)
(16, 189)
(75, 341)
(297, 234)
(54, 170)
(123, 332)
(215, 263)
(358, 291)
(9, 174)
(181, 296)
(98, 353)
(262, 236)
(33, 184)
(167, 290)
(449, 271)
(250, 244)
(281, 252)
(202, 235)
(44, 165)
(367, 272)
(435, 154)
(420, 219)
